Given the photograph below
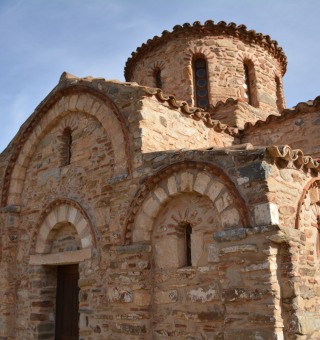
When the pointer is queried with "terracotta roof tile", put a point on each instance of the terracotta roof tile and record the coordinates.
(302, 107)
(209, 27)
(297, 156)
(194, 112)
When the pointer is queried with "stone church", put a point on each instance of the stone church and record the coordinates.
(181, 204)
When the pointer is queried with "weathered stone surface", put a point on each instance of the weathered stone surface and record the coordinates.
(244, 334)
(133, 248)
(239, 294)
(178, 226)
(266, 213)
(169, 296)
(239, 249)
(204, 294)
(230, 235)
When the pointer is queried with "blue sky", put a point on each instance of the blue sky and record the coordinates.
(40, 39)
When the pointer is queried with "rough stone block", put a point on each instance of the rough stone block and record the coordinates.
(150, 207)
(214, 190)
(223, 202)
(164, 297)
(161, 195)
(141, 298)
(230, 218)
(201, 182)
(133, 249)
(205, 294)
(230, 235)
(140, 235)
(172, 185)
(266, 213)
(116, 294)
(213, 253)
(239, 249)
(186, 181)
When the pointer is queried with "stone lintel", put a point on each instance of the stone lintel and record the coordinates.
(67, 257)
(241, 233)
(11, 208)
(133, 248)
(285, 235)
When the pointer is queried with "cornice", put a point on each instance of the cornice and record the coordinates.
(300, 108)
(195, 112)
(208, 28)
(297, 156)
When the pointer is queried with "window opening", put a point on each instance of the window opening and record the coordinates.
(66, 147)
(249, 84)
(157, 78)
(318, 232)
(246, 85)
(201, 82)
(278, 94)
(188, 232)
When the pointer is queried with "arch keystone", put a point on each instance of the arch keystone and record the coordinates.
(201, 183)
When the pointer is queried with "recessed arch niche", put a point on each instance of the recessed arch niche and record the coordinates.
(64, 235)
(190, 177)
(73, 99)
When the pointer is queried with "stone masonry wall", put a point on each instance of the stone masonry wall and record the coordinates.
(294, 195)
(299, 131)
(225, 57)
(122, 294)
(163, 128)
(238, 114)
(120, 210)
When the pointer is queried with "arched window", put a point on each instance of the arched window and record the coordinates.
(200, 71)
(279, 94)
(246, 85)
(66, 139)
(249, 84)
(157, 78)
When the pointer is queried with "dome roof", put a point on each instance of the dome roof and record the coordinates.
(208, 28)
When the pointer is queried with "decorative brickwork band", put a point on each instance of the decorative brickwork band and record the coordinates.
(70, 98)
(210, 181)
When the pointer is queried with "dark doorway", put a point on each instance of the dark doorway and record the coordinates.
(67, 303)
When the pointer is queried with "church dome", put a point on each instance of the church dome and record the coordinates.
(207, 63)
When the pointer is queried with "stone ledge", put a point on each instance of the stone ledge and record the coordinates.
(11, 208)
(133, 248)
(241, 233)
(68, 257)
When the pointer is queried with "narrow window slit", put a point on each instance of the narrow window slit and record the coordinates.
(66, 146)
(246, 85)
(249, 84)
(157, 78)
(188, 232)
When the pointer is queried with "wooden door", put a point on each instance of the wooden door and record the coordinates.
(67, 303)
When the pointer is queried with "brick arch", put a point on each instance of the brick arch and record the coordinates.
(62, 211)
(313, 184)
(244, 57)
(202, 51)
(73, 99)
(209, 180)
(158, 65)
(192, 54)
